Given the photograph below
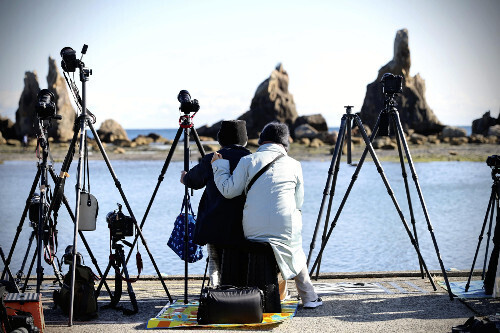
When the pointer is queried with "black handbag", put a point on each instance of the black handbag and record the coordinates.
(230, 305)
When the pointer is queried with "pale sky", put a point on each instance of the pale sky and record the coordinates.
(143, 53)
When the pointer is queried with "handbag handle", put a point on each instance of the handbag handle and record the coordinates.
(189, 206)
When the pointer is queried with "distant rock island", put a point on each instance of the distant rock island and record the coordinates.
(413, 109)
(272, 101)
(61, 130)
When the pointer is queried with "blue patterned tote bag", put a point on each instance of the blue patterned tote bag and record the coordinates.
(176, 240)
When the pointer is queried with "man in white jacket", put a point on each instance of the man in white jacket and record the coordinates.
(272, 209)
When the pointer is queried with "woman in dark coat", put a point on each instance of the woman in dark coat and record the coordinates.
(219, 220)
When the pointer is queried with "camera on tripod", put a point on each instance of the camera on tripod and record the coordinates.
(392, 84)
(68, 256)
(34, 209)
(120, 225)
(69, 62)
(46, 106)
(187, 105)
(493, 161)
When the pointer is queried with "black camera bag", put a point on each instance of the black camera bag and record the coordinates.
(230, 305)
(85, 303)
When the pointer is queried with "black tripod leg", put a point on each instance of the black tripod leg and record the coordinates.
(9, 273)
(103, 281)
(346, 195)
(186, 214)
(30, 269)
(490, 206)
(407, 188)
(82, 237)
(422, 202)
(130, 290)
(125, 201)
(60, 181)
(160, 179)
(492, 213)
(489, 279)
(198, 143)
(30, 242)
(21, 222)
(348, 135)
(336, 155)
(332, 191)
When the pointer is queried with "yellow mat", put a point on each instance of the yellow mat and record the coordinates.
(179, 314)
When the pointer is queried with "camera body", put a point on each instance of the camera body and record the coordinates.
(392, 84)
(187, 105)
(46, 106)
(69, 62)
(24, 320)
(68, 256)
(120, 225)
(34, 209)
(493, 161)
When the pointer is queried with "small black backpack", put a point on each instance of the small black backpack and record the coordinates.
(85, 303)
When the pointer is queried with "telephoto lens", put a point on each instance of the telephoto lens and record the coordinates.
(184, 97)
(187, 105)
(69, 62)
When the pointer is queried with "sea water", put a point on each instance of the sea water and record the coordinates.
(369, 234)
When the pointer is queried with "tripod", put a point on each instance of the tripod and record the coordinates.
(389, 111)
(117, 260)
(489, 279)
(69, 64)
(44, 229)
(185, 124)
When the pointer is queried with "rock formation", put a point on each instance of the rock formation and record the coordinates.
(413, 109)
(61, 130)
(271, 102)
(305, 131)
(110, 131)
(482, 125)
(7, 128)
(316, 121)
(453, 132)
(25, 114)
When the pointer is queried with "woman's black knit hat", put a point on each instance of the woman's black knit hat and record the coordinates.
(232, 132)
(275, 132)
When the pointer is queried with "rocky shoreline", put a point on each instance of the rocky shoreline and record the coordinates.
(420, 152)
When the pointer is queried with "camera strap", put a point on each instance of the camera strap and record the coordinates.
(86, 175)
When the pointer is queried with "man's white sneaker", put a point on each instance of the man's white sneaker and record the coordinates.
(313, 304)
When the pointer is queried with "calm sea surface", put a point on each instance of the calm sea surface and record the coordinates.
(369, 235)
(169, 133)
